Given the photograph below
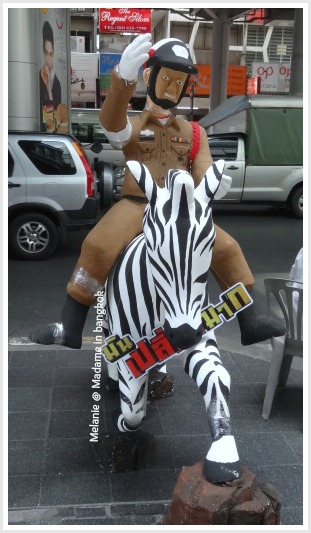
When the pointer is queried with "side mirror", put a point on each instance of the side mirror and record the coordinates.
(97, 147)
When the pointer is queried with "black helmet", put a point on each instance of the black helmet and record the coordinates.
(170, 53)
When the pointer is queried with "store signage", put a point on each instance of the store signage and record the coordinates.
(134, 20)
(275, 77)
(236, 80)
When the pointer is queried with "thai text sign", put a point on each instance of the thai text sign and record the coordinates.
(275, 77)
(116, 20)
(146, 353)
(236, 83)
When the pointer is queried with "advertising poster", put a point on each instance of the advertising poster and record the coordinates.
(107, 62)
(53, 69)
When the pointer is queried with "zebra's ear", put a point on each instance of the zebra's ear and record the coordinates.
(210, 182)
(144, 179)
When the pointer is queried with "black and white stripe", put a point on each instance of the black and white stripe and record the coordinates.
(161, 280)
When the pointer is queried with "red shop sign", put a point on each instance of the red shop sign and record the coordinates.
(133, 20)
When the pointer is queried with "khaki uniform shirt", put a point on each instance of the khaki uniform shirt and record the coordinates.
(159, 146)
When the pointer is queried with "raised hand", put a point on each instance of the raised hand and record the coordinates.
(134, 55)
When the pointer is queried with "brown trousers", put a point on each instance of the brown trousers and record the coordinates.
(123, 222)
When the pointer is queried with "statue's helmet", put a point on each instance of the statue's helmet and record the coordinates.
(173, 54)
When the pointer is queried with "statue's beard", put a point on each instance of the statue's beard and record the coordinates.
(163, 102)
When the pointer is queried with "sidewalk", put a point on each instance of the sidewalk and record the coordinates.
(54, 477)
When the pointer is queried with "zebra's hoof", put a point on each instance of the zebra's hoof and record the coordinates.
(160, 385)
(222, 464)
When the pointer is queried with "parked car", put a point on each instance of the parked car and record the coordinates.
(52, 190)
(261, 139)
(107, 161)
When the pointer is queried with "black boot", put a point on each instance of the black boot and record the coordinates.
(256, 327)
(67, 332)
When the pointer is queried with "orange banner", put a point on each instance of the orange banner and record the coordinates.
(236, 81)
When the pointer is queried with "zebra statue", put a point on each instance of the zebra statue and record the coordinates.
(161, 280)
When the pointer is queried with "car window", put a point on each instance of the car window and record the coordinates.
(88, 133)
(223, 148)
(11, 164)
(98, 134)
(49, 157)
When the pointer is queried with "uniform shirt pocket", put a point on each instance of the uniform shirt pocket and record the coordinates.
(147, 151)
(181, 151)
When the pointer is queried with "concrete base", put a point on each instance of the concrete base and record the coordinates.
(247, 501)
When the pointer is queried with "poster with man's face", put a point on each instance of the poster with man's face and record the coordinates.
(53, 68)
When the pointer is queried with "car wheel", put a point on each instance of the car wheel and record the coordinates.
(105, 184)
(118, 183)
(33, 236)
(296, 202)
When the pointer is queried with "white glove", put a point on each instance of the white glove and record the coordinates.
(134, 55)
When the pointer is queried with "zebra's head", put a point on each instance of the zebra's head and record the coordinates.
(179, 235)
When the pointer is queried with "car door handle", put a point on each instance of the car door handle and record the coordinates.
(11, 185)
(232, 168)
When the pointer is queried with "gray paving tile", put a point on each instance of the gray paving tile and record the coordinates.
(30, 377)
(180, 436)
(73, 423)
(181, 420)
(255, 370)
(287, 480)
(74, 377)
(143, 485)
(23, 491)
(70, 456)
(88, 522)
(292, 516)
(246, 394)
(29, 359)
(263, 449)
(72, 398)
(29, 398)
(28, 425)
(26, 457)
(74, 489)
(75, 358)
(295, 440)
(244, 417)
(187, 450)
(91, 510)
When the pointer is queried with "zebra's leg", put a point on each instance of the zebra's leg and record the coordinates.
(127, 448)
(113, 378)
(203, 364)
(133, 399)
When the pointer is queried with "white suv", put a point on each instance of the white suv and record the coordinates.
(52, 190)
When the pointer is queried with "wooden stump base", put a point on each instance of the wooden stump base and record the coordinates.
(196, 501)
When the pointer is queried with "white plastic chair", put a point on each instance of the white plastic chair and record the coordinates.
(289, 296)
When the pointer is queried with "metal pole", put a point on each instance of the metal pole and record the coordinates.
(296, 78)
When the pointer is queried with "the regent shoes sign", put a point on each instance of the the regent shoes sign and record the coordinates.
(115, 20)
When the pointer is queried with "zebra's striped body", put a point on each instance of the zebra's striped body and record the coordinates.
(161, 280)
